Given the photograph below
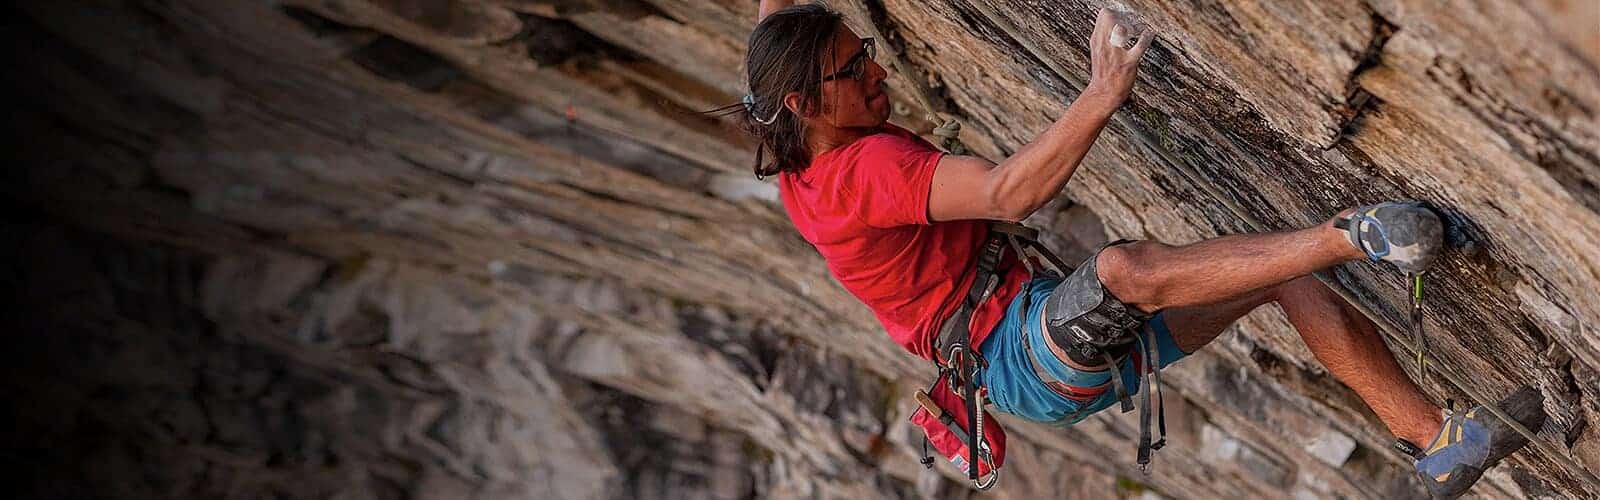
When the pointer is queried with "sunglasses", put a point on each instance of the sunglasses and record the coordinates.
(856, 67)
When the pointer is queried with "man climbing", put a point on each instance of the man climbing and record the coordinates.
(901, 224)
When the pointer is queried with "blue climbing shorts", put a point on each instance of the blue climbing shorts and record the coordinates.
(1014, 387)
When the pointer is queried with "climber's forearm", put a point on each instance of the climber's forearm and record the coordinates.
(1036, 173)
(770, 6)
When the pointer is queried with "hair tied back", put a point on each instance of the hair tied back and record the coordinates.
(750, 106)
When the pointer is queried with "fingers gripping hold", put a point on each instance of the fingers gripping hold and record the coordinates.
(1114, 55)
(1117, 30)
(1138, 49)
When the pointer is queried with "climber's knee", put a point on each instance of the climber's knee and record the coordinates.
(1131, 272)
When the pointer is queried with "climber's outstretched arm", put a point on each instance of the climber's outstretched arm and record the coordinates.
(966, 187)
(770, 6)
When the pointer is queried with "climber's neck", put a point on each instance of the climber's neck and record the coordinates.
(822, 138)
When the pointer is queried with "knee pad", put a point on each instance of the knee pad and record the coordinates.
(1086, 320)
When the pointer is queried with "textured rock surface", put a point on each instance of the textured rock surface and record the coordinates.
(452, 248)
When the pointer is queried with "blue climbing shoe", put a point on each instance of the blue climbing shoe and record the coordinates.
(1406, 234)
(1472, 441)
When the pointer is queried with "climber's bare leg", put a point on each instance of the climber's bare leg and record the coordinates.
(1348, 345)
(1343, 340)
(1153, 276)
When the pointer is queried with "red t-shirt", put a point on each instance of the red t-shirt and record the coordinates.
(864, 207)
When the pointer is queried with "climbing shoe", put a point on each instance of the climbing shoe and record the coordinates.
(1406, 234)
(1472, 441)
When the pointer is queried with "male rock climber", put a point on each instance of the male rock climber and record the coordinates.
(900, 223)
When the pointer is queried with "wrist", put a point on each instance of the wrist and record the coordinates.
(1098, 97)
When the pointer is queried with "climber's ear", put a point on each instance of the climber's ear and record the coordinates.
(797, 104)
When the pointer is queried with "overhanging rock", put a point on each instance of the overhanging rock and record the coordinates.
(486, 248)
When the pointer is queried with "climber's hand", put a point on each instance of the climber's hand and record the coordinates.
(1113, 63)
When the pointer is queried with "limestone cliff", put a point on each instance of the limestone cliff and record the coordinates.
(484, 248)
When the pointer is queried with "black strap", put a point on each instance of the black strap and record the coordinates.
(1061, 267)
(1014, 229)
(954, 330)
(1150, 355)
(1125, 399)
(1001, 235)
(1409, 448)
(1144, 428)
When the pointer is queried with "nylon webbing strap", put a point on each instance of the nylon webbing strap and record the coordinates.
(1144, 416)
(1062, 269)
(987, 279)
(1116, 381)
(1150, 381)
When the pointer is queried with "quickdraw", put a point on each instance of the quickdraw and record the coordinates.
(1417, 337)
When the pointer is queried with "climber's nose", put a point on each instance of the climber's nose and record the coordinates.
(875, 73)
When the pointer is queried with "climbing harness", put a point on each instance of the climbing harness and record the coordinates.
(955, 398)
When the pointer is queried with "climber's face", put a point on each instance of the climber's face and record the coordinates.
(852, 92)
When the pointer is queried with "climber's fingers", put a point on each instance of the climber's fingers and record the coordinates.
(1102, 26)
(1144, 42)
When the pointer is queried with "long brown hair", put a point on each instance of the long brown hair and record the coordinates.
(785, 55)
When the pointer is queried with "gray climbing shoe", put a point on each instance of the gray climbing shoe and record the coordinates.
(1473, 441)
(1406, 234)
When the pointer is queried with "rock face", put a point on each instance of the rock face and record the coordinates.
(484, 248)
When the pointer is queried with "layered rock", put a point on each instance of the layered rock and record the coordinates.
(485, 248)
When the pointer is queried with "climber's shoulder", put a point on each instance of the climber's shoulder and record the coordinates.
(889, 148)
(886, 141)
